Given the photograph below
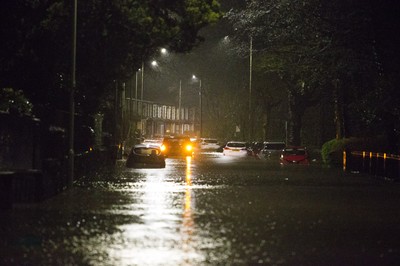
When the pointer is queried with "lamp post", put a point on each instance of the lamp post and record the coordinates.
(179, 107)
(200, 106)
(250, 86)
(226, 41)
(71, 153)
(139, 104)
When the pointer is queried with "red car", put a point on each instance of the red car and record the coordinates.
(294, 155)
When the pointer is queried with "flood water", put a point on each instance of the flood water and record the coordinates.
(209, 210)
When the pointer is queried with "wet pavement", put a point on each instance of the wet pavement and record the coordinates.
(209, 210)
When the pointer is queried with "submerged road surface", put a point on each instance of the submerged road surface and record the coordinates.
(210, 210)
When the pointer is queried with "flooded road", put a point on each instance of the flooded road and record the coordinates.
(210, 210)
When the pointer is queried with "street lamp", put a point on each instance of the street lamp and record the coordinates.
(140, 106)
(71, 152)
(225, 41)
(154, 63)
(164, 51)
(250, 85)
(200, 106)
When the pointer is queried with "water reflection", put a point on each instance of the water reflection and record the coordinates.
(166, 231)
(188, 221)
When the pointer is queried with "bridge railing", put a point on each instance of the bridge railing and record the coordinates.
(373, 163)
(147, 109)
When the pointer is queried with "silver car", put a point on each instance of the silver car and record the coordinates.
(272, 149)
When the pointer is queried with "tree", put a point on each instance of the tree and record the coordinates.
(319, 49)
(287, 45)
(270, 95)
(114, 37)
(14, 102)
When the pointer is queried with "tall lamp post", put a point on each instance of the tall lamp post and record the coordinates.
(180, 107)
(250, 86)
(139, 104)
(71, 153)
(200, 105)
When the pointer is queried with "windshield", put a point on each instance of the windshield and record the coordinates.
(176, 141)
(294, 152)
(146, 151)
(274, 146)
(236, 145)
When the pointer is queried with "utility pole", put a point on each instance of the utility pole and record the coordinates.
(179, 107)
(201, 109)
(250, 88)
(141, 102)
(71, 153)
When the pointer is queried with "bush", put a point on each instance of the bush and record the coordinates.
(14, 102)
(332, 151)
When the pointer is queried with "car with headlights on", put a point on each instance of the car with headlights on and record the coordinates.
(177, 146)
(294, 155)
(145, 156)
(236, 148)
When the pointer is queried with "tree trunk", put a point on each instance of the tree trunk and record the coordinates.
(294, 128)
(296, 111)
(338, 110)
(266, 124)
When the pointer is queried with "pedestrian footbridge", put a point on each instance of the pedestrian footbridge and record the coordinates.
(154, 119)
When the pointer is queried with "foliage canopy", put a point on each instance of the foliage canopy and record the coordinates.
(327, 49)
(113, 38)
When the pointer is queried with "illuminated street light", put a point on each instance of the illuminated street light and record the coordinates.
(154, 64)
(200, 105)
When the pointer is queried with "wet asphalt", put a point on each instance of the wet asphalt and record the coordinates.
(209, 210)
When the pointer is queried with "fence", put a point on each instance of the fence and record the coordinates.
(372, 163)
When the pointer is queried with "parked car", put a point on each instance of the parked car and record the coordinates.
(255, 148)
(157, 142)
(209, 144)
(177, 146)
(145, 156)
(294, 155)
(236, 148)
(221, 147)
(272, 149)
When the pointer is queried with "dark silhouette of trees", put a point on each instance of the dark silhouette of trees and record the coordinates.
(114, 37)
(337, 50)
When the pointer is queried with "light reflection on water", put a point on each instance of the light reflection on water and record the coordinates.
(167, 228)
(188, 221)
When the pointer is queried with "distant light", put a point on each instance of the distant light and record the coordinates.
(154, 63)
(163, 51)
(194, 77)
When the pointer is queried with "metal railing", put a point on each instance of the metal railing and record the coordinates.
(373, 163)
